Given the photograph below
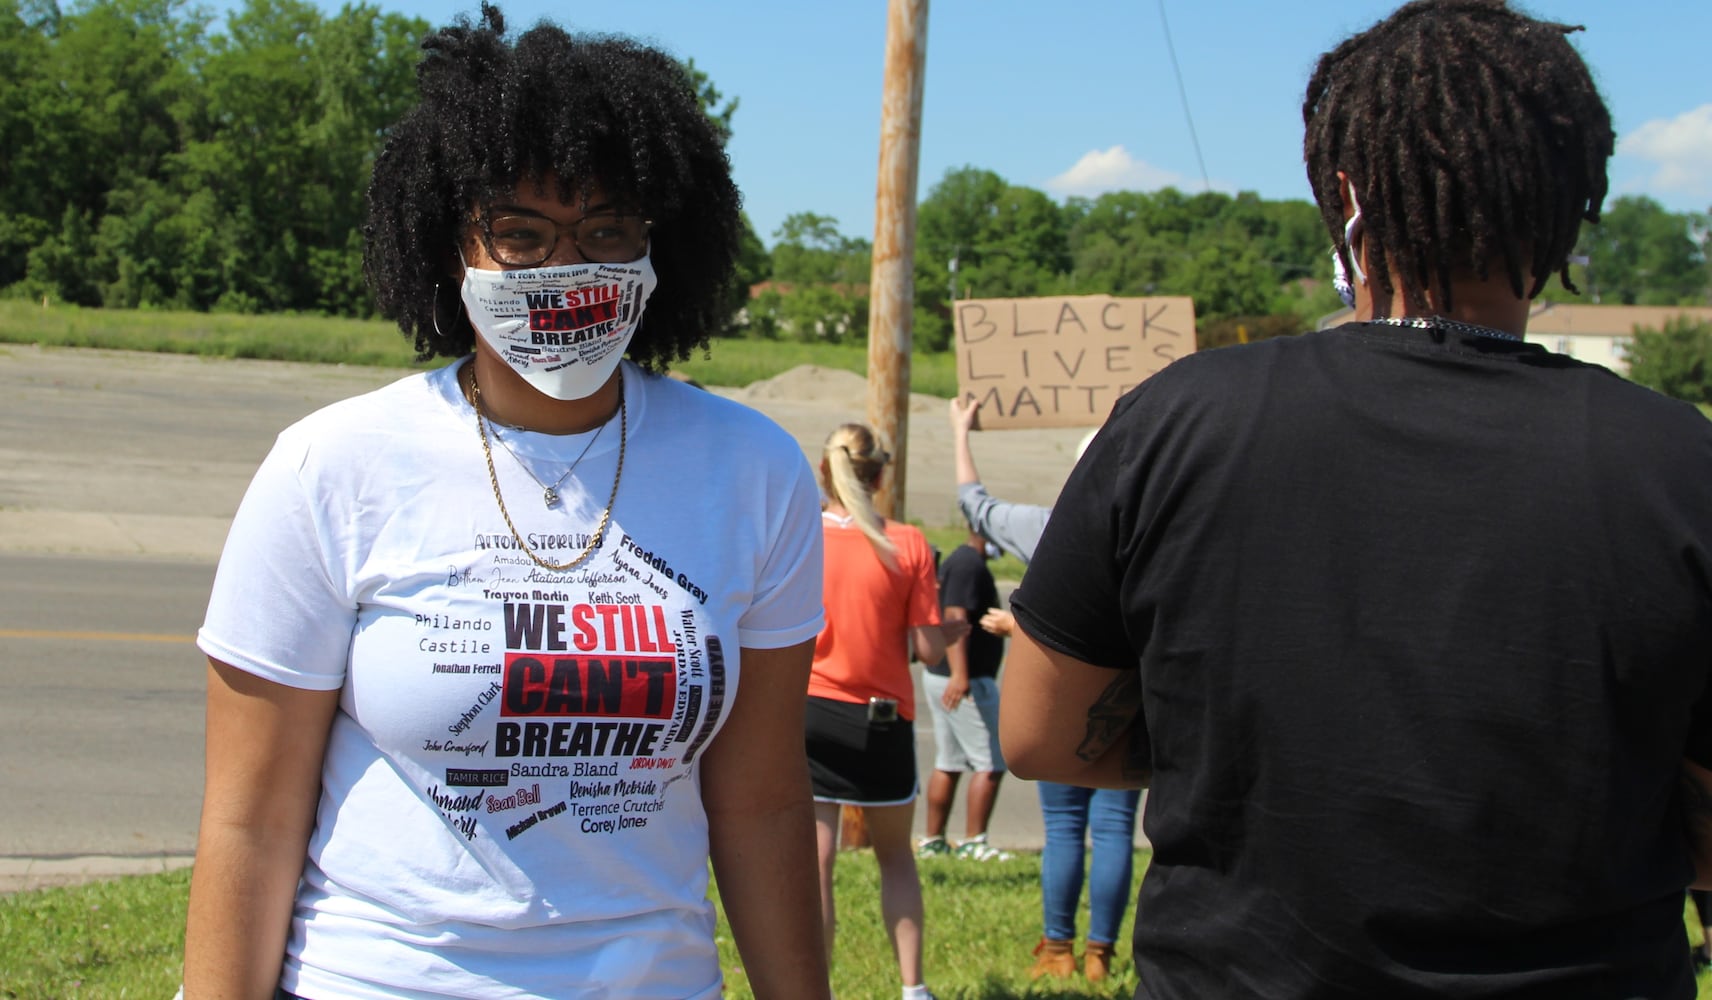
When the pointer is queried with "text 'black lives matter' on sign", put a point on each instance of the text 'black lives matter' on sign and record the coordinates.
(1063, 362)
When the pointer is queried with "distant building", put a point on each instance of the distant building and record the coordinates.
(1597, 334)
(1601, 334)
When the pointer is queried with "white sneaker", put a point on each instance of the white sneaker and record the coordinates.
(933, 847)
(977, 849)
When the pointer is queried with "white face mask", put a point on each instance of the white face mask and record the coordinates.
(563, 329)
(1340, 276)
(992, 551)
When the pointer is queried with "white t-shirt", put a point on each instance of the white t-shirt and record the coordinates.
(510, 804)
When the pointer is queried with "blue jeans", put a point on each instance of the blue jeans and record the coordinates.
(1070, 814)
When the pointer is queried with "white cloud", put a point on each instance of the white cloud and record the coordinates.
(1680, 149)
(1099, 171)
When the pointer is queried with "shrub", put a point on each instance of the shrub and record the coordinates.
(1675, 360)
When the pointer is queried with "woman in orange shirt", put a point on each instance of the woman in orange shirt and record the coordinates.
(882, 603)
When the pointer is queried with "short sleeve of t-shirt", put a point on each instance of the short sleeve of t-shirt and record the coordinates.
(277, 586)
(1070, 597)
(917, 561)
(787, 605)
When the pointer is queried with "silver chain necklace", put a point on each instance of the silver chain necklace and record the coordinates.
(549, 494)
(1440, 323)
(499, 497)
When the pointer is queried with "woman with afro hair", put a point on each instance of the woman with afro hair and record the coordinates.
(503, 654)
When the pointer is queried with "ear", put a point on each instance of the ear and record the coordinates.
(1346, 196)
(454, 260)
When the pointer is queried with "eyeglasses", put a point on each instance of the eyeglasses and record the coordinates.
(518, 239)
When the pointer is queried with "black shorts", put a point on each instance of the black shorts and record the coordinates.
(857, 762)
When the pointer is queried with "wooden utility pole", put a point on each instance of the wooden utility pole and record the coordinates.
(891, 286)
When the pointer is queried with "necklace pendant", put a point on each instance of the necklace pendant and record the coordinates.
(550, 496)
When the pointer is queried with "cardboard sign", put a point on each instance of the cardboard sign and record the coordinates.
(1063, 362)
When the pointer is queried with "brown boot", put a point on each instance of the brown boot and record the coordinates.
(1053, 958)
(1097, 961)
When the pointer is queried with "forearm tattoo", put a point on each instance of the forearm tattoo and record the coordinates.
(1110, 716)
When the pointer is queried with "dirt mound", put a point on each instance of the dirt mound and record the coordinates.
(833, 387)
(811, 384)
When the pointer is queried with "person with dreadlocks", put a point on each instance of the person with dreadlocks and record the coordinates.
(503, 654)
(1406, 623)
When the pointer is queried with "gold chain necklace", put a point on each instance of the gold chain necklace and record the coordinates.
(493, 477)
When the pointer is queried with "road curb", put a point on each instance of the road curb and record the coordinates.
(28, 874)
(94, 533)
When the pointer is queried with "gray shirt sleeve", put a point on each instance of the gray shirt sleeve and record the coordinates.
(1013, 527)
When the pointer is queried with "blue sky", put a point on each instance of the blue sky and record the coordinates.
(1078, 96)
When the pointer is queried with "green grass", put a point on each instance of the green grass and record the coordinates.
(983, 921)
(224, 335)
(125, 938)
(326, 340)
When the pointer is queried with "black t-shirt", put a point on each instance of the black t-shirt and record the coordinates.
(966, 582)
(1424, 626)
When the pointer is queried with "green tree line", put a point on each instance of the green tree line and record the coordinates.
(1246, 261)
(153, 161)
(1254, 267)
(154, 155)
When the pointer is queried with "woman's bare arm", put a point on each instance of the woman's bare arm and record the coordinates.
(760, 822)
(928, 642)
(265, 744)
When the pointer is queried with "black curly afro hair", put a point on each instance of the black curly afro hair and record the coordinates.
(495, 113)
(1470, 133)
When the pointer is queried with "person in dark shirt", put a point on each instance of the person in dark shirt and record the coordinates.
(1407, 623)
(963, 696)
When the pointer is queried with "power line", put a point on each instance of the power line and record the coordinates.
(1177, 71)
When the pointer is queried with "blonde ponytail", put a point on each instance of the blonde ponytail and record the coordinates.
(850, 469)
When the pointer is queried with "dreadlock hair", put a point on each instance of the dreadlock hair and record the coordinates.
(1469, 132)
(493, 114)
(850, 467)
